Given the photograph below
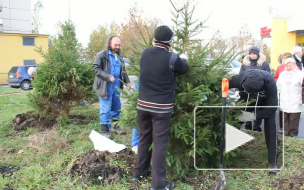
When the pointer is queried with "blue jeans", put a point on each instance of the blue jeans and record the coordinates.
(109, 109)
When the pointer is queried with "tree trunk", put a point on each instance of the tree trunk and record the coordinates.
(67, 107)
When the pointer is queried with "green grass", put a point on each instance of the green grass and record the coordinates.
(9, 90)
(44, 157)
(258, 148)
(12, 105)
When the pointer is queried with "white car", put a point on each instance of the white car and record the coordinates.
(233, 68)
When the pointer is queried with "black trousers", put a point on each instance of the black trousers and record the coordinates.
(153, 127)
(271, 137)
(281, 119)
(291, 123)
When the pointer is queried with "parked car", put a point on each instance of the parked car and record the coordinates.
(233, 68)
(18, 76)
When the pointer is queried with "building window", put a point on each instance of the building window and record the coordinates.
(28, 41)
(29, 62)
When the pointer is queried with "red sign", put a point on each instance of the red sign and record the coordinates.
(265, 32)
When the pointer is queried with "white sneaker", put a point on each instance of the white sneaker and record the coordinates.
(135, 149)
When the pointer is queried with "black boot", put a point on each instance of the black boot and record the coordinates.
(105, 131)
(248, 125)
(273, 168)
(116, 129)
(257, 125)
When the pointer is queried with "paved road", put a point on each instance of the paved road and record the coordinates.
(4, 85)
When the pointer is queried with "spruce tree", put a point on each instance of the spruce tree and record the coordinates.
(201, 86)
(61, 78)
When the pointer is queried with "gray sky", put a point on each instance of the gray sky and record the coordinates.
(226, 15)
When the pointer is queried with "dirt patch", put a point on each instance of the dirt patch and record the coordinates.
(293, 182)
(31, 119)
(202, 181)
(102, 168)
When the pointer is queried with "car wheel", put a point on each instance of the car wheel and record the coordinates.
(25, 85)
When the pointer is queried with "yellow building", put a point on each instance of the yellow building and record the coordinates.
(286, 33)
(19, 49)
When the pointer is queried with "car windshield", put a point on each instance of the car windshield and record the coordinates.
(235, 63)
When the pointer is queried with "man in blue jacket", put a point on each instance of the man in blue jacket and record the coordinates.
(109, 72)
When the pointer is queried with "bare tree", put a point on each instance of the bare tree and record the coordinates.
(138, 32)
(243, 39)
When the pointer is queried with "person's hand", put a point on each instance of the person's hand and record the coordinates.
(183, 56)
(129, 87)
(112, 79)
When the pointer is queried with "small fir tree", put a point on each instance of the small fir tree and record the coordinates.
(61, 78)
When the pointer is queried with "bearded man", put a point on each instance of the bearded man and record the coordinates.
(110, 73)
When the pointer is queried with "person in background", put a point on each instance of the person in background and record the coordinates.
(158, 68)
(255, 81)
(255, 60)
(280, 69)
(297, 55)
(291, 95)
(109, 72)
(303, 59)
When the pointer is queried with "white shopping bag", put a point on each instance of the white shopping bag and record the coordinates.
(102, 143)
(246, 116)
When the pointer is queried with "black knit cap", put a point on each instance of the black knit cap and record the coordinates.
(253, 81)
(255, 50)
(163, 34)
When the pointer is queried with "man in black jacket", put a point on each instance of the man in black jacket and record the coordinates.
(255, 81)
(109, 72)
(158, 68)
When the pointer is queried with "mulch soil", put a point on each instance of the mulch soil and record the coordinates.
(31, 119)
(292, 182)
(102, 167)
